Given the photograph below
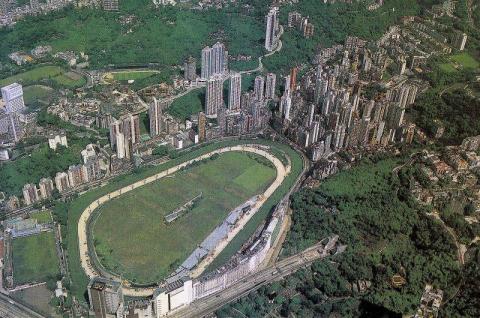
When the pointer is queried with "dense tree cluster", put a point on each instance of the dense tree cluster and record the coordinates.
(457, 112)
(387, 234)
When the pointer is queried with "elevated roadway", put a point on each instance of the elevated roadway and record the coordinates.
(252, 282)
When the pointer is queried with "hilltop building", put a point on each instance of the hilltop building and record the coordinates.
(271, 34)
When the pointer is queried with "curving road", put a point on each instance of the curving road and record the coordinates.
(259, 68)
(86, 263)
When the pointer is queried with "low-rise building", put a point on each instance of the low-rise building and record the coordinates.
(57, 139)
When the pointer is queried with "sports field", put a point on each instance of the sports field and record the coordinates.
(34, 258)
(42, 216)
(466, 60)
(40, 74)
(130, 235)
(132, 75)
(35, 92)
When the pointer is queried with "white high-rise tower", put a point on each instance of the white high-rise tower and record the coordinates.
(271, 39)
(235, 92)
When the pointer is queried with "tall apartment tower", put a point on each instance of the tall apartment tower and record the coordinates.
(202, 123)
(235, 92)
(259, 88)
(190, 69)
(293, 79)
(206, 61)
(106, 297)
(46, 188)
(271, 40)
(61, 181)
(219, 58)
(270, 85)
(125, 133)
(214, 60)
(30, 194)
(110, 5)
(155, 115)
(131, 133)
(214, 96)
(12, 95)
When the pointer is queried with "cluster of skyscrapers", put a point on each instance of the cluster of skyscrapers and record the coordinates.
(330, 112)
(124, 134)
(11, 115)
(214, 61)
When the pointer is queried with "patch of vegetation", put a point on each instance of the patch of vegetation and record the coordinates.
(51, 75)
(42, 217)
(457, 111)
(466, 60)
(165, 36)
(187, 105)
(35, 258)
(132, 75)
(42, 162)
(464, 303)
(386, 234)
(333, 23)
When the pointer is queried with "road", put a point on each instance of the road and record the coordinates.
(259, 68)
(12, 309)
(91, 271)
(257, 279)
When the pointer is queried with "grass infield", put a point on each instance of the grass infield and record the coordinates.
(75, 208)
(131, 237)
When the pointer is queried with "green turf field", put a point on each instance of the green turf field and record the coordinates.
(132, 75)
(37, 93)
(56, 74)
(34, 258)
(130, 236)
(42, 217)
(466, 60)
(187, 105)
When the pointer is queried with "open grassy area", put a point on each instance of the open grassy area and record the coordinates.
(459, 61)
(37, 94)
(34, 258)
(466, 60)
(37, 297)
(152, 249)
(42, 216)
(164, 35)
(46, 74)
(41, 162)
(132, 75)
(187, 105)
